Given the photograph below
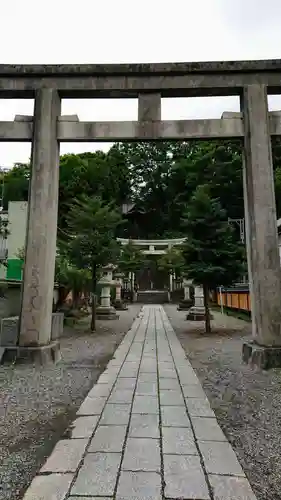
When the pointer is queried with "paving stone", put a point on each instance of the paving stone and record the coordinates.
(125, 383)
(90, 498)
(142, 454)
(116, 414)
(148, 366)
(230, 488)
(178, 441)
(127, 372)
(169, 383)
(66, 456)
(188, 377)
(106, 379)
(108, 438)
(83, 427)
(147, 388)
(100, 390)
(184, 478)
(170, 397)
(53, 486)
(168, 373)
(145, 404)
(199, 408)
(92, 406)
(121, 396)
(219, 458)
(167, 365)
(139, 486)
(174, 416)
(98, 475)
(207, 429)
(147, 377)
(193, 391)
(144, 426)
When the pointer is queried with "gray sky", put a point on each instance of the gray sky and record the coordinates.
(119, 31)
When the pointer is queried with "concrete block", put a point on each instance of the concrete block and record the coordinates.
(57, 325)
(174, 416)
(121, 396)
(144, 426)
(146, 389)
(116, 414)
(219, 458)
(142, 454)
(92, 406)
(199, 408)
(228, 488)
(98, 390)
(98, 475)
(108, 438)
(207, 429)
(178, 441)
(139, 486)
(83, 427)
(53, 486)
(125, 383)
(263, 357)
(66, 456)
(147, 377)
(145, 404)
(184, 478)
(193, 391)
(169, 383)
(9, 331)
(168, 373)
(170, 397)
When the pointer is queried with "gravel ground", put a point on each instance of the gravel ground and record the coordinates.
(247, 402)
(37, 404)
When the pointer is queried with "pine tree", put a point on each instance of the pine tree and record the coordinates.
(212, 254)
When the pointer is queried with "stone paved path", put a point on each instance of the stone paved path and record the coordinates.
(145, 431)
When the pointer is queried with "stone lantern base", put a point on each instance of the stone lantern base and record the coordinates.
(106, 312)
(119, 305)
(197, 313)
(185, 305)
(263, 357)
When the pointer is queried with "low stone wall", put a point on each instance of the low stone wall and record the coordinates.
(10, 298)
(9, 329)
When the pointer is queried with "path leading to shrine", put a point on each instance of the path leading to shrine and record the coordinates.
(145, 431)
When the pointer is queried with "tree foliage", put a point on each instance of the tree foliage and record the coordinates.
(91, 241)
(172, 261)
(212, 254)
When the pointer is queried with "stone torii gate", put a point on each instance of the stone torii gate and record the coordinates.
(148, 83)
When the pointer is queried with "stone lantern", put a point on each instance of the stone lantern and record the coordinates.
(187, 301)
(118, 303)
(105, 310)
(197, 312)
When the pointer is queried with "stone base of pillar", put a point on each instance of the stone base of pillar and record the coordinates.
(185, 305)
(197, 313)
(106, 313)
(261, 356)
(40, 355)
(119, 305)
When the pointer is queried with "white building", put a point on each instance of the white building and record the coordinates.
(17, 219)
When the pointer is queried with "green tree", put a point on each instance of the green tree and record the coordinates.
(212, 254)
(131, 260)
(91, 243)
(172, 261)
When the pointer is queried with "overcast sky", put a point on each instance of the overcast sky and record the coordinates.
(120, 31)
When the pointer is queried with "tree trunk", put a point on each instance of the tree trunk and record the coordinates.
(94, 298)
(207, 309)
